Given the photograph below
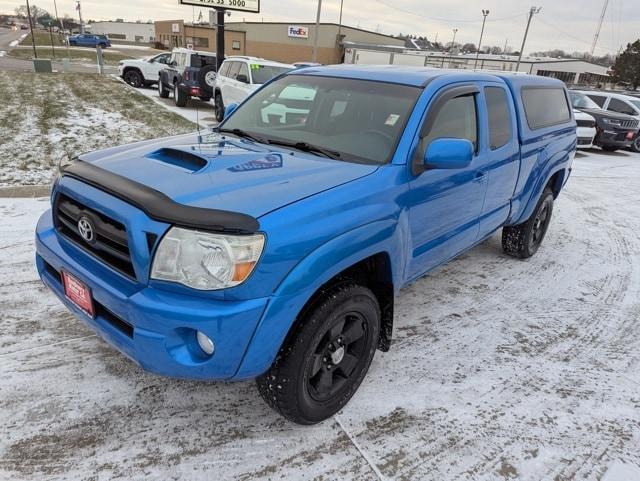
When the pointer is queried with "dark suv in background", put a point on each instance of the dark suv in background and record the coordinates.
(613, 130)
(189, 73)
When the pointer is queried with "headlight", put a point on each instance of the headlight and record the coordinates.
(204, 260)
(611, 121)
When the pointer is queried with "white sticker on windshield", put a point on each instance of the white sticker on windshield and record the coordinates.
(392, 119)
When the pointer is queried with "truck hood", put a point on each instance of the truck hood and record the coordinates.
(223, 172)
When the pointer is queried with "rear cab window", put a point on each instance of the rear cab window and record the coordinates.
(499, 116)
(545, 106)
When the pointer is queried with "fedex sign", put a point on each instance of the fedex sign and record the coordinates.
(298, 32)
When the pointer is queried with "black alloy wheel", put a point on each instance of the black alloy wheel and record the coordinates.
(335, 358)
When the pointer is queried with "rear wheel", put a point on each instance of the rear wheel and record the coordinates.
(219, 105)
(162, 90)
(326, 356)
(134, 78)
(179, 96)
(523, 240)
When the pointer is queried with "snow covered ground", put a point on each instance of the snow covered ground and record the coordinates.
(46, 118)
(499, 369)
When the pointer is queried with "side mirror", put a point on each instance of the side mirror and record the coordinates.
(229, 109)
(448, 154)
(242, 78)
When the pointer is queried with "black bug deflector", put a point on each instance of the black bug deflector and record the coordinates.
(157, 205)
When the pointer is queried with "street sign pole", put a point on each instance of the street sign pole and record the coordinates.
(219, 37)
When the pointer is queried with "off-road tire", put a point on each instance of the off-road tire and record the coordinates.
(179, 96)
(288, 385)
(134, 78)
(162, 90)
(219, 106)
(523, 240)
(203, 74)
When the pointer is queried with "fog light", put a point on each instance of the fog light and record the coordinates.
(205, 343)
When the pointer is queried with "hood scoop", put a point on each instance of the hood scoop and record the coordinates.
(184, 159)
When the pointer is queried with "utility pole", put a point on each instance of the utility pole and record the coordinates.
(340, 21)
(453, 42)
(484, 19)
(80, 15)
(595, 38)
(314, 57)
(504, 50)
(532, 12)
(33, 39)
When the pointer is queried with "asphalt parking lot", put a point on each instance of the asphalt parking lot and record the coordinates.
(499, 369)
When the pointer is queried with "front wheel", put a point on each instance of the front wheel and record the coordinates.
(325, 357)
(134, 78)
(523, 240)
(635, 146)
(219, 106)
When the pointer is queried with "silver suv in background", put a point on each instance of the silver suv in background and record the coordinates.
(240, 76)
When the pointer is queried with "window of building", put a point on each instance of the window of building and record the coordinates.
(544, 107)
(201, 42)
(235, 45)
(139, 38)
(117, 36)
(499, 117)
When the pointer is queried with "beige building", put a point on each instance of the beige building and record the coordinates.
(284, 42)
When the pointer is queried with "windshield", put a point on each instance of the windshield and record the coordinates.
(581, 101)
(635, 102)
(263, 73)
(359, 120)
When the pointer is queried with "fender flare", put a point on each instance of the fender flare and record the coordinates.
(309, 275)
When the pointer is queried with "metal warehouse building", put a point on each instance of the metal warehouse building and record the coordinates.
(571, 71)
(285, 42)
(127, 31)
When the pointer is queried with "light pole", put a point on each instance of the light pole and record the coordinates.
(532, 12)
(453, 42)
(33, 39)
(79, 9)
(340, 21)
(484, 19)
(314, 57)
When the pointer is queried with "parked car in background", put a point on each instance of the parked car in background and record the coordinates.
(586, 130)
(143, 71)
(189, 73)
(274, 249)
(88, 40)
(240, 76)
(614, 131)
(620, 103)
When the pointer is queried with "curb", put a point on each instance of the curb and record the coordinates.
(18, 191)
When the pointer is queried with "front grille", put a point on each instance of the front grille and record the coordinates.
(586, 123)
(110, 243)
(629, 124)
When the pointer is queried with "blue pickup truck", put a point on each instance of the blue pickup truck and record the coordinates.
(273, 246)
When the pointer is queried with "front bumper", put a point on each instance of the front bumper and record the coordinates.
(585, 137)
(613, 138)
(153, 327)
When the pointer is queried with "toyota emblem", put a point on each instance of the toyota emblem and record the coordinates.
(86, 230)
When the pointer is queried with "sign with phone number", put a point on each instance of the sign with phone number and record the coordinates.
(241, 5)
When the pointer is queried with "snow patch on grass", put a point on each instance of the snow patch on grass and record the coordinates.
(48, 118)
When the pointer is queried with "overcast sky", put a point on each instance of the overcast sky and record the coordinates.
(566, 24)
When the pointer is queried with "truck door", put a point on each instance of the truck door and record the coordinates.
(501, 161)
(445, 204)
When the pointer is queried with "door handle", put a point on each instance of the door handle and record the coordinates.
(480, 176)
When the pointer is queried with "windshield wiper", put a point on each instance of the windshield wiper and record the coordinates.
(306, 147)
(244, 134)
